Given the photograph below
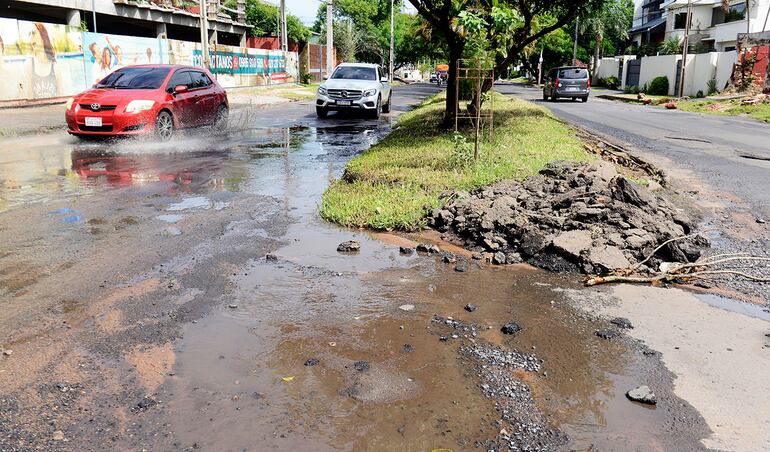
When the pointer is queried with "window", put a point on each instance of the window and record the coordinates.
(680, 21)
(571, 74)
(355, 73)
(200, 80)
(734, 13)
(180, 78)
(135, 78)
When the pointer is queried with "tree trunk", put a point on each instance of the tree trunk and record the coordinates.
(597, 47)
(455, 53)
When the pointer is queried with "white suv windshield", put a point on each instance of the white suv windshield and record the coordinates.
(355, 73)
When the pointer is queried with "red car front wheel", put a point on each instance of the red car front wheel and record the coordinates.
(164, 126)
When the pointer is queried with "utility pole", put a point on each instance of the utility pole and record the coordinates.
(392, 14)
(540, 68)
(748, 16)
(93, 12)
(574, 48)
(284, 34)
(204, 35)
(685, 45)
(329, 39)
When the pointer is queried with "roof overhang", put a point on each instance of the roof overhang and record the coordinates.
(649, 26)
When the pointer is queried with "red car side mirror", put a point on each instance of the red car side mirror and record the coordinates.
(178, 89)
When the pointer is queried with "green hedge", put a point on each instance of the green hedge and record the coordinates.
(658, 86)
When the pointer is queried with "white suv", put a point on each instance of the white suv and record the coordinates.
(355, 86)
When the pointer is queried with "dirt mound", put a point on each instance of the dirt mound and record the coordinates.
(570, 217)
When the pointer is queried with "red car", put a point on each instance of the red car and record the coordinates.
(148, 98)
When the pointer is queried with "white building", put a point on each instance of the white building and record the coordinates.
(713, 26)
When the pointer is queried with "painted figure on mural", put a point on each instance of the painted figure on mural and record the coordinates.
(43, 63)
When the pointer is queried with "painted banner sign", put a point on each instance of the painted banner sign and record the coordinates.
(236, 63)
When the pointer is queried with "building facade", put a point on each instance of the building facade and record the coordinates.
(715, 24)
(170, 19)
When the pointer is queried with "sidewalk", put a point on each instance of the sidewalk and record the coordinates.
(36, 120)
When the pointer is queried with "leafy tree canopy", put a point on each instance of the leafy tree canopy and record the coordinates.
(264, 19)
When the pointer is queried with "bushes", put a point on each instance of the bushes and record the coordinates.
(631, 89)
(712, 87)
(658, 86)
(612, 82)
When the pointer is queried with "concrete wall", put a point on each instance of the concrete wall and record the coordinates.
(607, 67)
(657, 66)
(724, 70)
(42, 61)
(699, 70)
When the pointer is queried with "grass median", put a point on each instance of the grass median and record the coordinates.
(395, 183)
(731, 107)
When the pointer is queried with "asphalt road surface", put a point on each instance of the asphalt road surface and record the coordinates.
(186, 295)
(730, 154)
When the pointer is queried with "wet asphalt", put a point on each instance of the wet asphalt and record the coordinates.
(174, 296)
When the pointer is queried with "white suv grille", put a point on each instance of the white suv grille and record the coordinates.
(344, 94)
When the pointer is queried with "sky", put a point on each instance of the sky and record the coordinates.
(306, 9)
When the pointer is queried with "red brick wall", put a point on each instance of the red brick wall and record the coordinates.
(269, 43)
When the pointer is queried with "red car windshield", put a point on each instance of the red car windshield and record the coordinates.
(135, 78)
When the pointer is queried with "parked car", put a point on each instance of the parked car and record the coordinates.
(568, 82)
(144, 99)
(355, 87)
(433, 77)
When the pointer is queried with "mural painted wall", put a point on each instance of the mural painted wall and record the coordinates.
(105, 53)
(240, 66)
(40, 60)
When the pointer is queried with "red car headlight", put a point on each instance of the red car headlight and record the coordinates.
(136, 106)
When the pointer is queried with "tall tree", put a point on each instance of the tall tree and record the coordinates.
(263, 18)
(612, 18)
(507, 26)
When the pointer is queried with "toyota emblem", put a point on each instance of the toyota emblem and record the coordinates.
(344, 94)
(95, 107)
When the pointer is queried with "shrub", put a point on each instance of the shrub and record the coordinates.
(658, 86)
(631, 89)
(712, 87)
(671, 46)
(601, 82)
(612, 82)
(700, 94)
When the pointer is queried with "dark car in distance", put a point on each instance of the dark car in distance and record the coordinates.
(142, 99)
(567, 82)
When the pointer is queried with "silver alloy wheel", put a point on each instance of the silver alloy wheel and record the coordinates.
(164, 126)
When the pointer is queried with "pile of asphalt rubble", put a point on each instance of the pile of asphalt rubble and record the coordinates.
(570, 217)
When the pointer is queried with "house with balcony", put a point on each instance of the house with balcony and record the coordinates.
(714, 27)
(649, 25)
(172, 19)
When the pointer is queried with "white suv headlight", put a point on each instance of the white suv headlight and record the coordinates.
(370, 92)
(135, 106)
(322, 90)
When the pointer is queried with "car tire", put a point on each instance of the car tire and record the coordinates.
(321, 112)
(386, 107)
(164, 126)
(584, 98)
(223, 115)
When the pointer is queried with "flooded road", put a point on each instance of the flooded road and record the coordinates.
(188, 296)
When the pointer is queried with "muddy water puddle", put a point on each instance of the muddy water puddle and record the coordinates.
(415, 393)
(381, 377)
